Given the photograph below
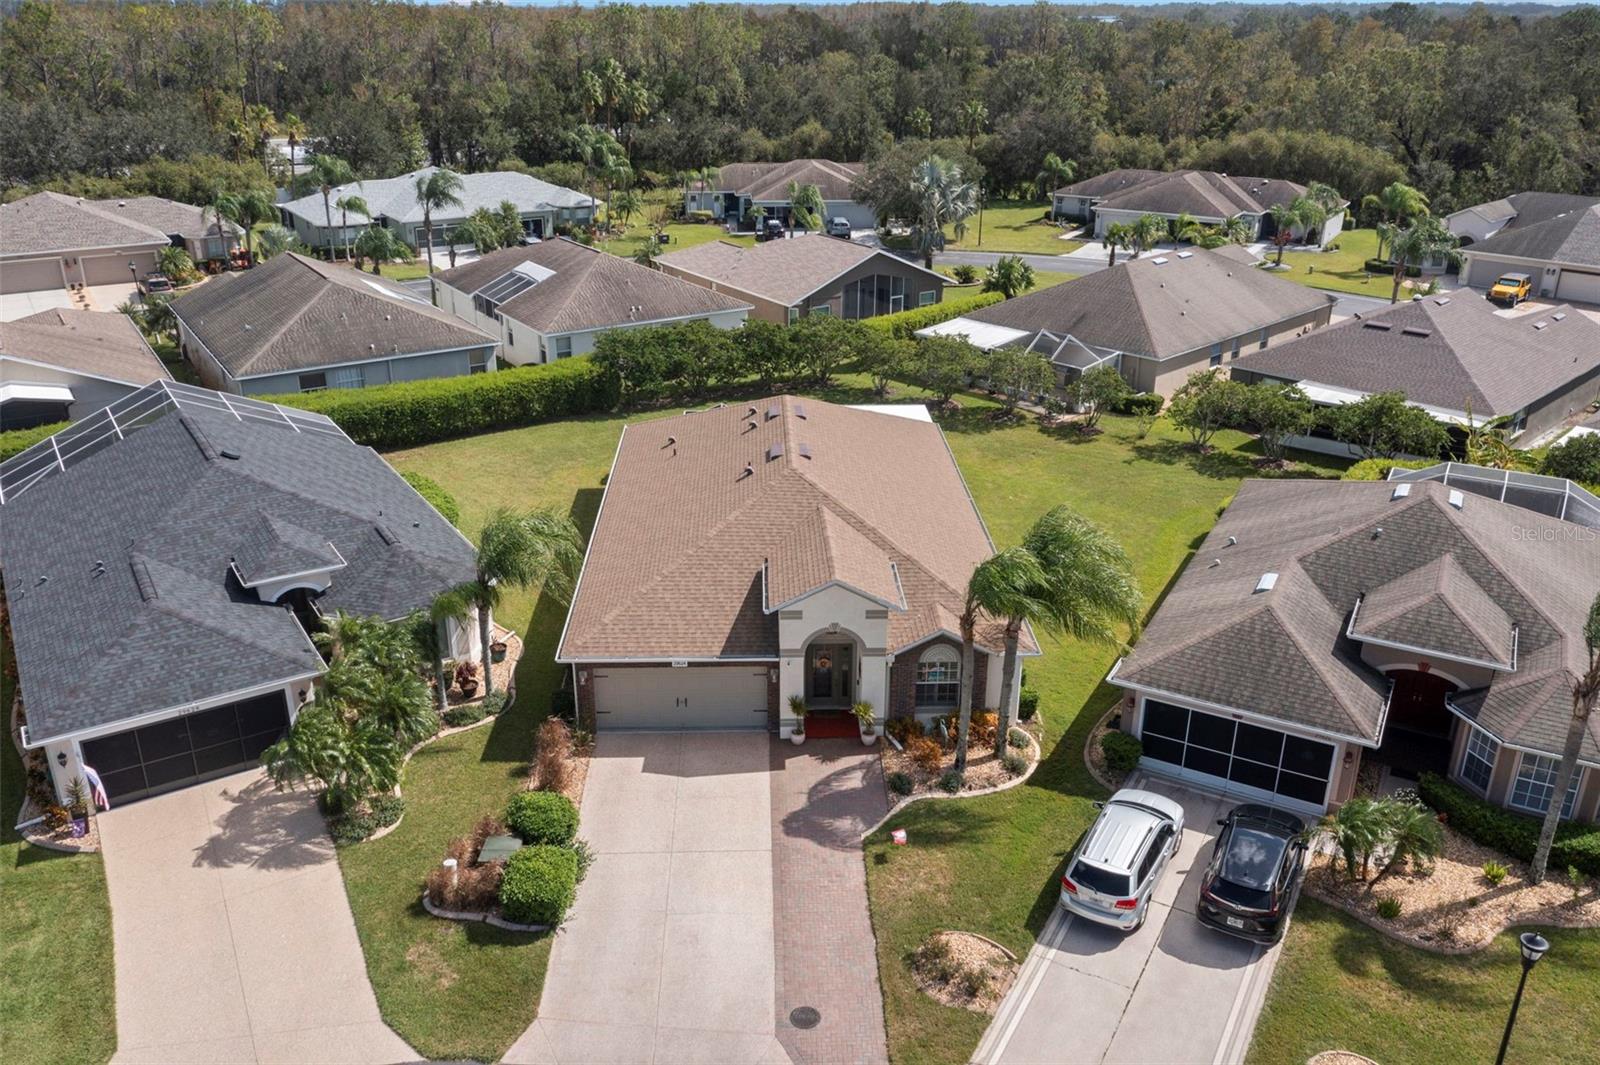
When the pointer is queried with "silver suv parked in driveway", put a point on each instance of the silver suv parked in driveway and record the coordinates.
(1117, 866)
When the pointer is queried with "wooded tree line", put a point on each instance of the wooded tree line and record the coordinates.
(1464, 105)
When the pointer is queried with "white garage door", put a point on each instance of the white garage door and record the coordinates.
(34, 275)
(693, 697)
(1578, 287)
(113, 269)
(1486, 272)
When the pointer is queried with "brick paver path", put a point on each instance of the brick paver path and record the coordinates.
(825, 793)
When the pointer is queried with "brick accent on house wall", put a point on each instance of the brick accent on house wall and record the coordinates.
(903, 678)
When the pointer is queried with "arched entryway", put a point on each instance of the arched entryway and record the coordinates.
(832, 680)
(1416, 738)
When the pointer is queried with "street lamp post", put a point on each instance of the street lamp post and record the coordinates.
(1533, 948)
(133, 268)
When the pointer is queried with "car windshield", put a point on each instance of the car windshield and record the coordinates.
(1104, 881)
(1511, 282)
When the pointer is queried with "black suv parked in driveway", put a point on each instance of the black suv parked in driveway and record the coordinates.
(1254, 873)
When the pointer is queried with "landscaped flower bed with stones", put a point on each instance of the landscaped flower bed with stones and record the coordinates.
(963, 971)
(927, 763)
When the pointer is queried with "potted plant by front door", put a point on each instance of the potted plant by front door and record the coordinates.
(866, 717)
(467, 679)
(797, 707)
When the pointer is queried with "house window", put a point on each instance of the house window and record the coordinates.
(1216, 354)
(478, 360)
(823, 309)
(347, 377)
(1263, 342)
(1477, 764)
(313, 382)
(563, 347)
(939, 676)
(794, 315)
(926, 297)
(1536, 782)
(1236, 342)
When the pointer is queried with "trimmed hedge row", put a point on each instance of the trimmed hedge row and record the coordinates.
(1577, 844)
(437, 497)
(16, 441)
(904, 324)
(1378, 469)
(412, 413)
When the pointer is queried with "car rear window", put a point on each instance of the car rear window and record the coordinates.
(1252, 859)
(1104, 881)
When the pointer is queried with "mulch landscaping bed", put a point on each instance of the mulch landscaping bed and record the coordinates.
(1095, 757)
(985, 770)
(963, 971)
(1454, 909)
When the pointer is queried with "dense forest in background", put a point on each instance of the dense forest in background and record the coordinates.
(1465, 104)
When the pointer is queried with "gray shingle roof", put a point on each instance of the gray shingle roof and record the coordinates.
(167, 216)
(769, 182)
(1112, 181)
(1570, 237)
(98, 343)
(1283, 653)
(1443, 351)
(1160, 308)
(1202, 193)
(589, 290)
(292, 312)
(275, 549)
(1437, 606)
(117, 569)
(50, 222)
(396, 197)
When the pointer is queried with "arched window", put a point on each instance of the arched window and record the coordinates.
(939, 676)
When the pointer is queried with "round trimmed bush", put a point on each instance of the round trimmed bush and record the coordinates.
(900, 783)
(1027, 704)
(542, 817)
(1122, 751)
(539, 884)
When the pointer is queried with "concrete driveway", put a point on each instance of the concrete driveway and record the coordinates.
(668, 954)
(1172, 992)
(233, 937)
(14, 305)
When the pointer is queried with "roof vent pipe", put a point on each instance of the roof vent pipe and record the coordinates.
(749, 471)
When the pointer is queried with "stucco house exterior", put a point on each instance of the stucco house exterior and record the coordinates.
(1553, 238)
(1157, 319)
(753, 552)
(1412, 623)
(61, 364)
(192, 228)
(164, 559)
(541, 205)
(554, 299)
(739, 188)
(785, 280)
(1204, 195)
(296, 324)
(50, 241)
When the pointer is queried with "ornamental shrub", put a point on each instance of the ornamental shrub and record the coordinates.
(950, 782)
(905, 324)
(1577, 844)
(1122, 751)
(1576, 459)
(410, 413)
(926, 752)
(436, 496)
(464, 714)
(542, 817)
(904, 728)
(900, 783)
(1378, 469)
(1015, 764)
(1389, 908)
(1139, 403)
(1027, 704)
(539, 884)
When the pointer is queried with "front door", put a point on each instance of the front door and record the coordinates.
(830, 680)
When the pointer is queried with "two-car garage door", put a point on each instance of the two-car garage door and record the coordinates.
(687, 697)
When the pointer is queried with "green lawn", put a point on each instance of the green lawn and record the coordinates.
(57, 991)
(1340, 985)
(1009, 226)
(1340, 270)
(1041, 279)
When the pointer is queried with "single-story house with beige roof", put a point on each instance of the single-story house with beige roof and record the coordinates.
(1204, 195)
(751, 553)
(50, 241)
(554, 299)
(61, 364)
(787, 279)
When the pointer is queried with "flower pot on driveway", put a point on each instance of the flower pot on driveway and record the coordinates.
(797, 737)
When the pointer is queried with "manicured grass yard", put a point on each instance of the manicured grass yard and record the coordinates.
(1341, 270)
(1010, 226)
(682, 234)
(1340, 985)
(1041, 279)
(57, 993)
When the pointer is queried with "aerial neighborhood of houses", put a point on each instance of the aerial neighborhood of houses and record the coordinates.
(700, 616)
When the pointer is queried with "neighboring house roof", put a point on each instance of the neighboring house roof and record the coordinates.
(50, 222)
(1161, 305)
(118, 569)
(769, 182)
(294, 313)
(1107, 184)
(1282, 652)
(1448, 352)
(396, 198)
(1570, 237)
(168, 216)
(99, 344)
(1203, 193)
(783, 271)
(1526, 208)
(586, 288)
(713, 519)
(1238, 253)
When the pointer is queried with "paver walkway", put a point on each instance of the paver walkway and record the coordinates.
(233, 936)
(825, 794)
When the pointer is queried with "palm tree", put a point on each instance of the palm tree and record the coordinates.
(1426, 238)
(944, 199)
(1324, 196)
(346, 204)
(1117, 235)
(626, 203)
(1010, 276)
(1236, 230)
(1185, 227)
(805, 206)
(515, 550)
(174, 262)
(375, 665)
(328, 171)
(436, 189)
(1585, 690)
(222, 209)
(1009, 581)
(1412, 832)
(1147, 231)
(1355, 828)
(1283, 217)
(380, 245)
(251, 208)
(974, 116)
(1086, 590)
(598, 151)
(1054, 173)
(1397, 204)
(274, 240)
(294, 131)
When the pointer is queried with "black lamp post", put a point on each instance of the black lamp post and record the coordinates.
(1533, 948)
(133, 268)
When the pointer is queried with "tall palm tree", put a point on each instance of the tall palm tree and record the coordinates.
(1397, 204)
(223, 208)
(1185, 227)
(515, 549)
(1117, 235)
(805, 206)
(1585, 691)
(274, 240)
(974, 116)
(328, 171)
(1010, 582)
(1324, 196)
(1147, 231)
(944, 198)
(347, 203)
(294, 131)
(251, 208)
(1283, 217)
(598, 151)
(380, 245)
(1082, 586)
(1424, 239)
(626, 203)
(1053, 173)
(436, 189)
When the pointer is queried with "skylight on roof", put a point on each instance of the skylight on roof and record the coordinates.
(1385, 326)
(1559, 316)
(534, 270)
(1441, 301)
(1159, 260)
(1540, 325)
(384, 290)
(1401, 490)
(1457, 500)
(1186, 255)
(1267, 582)
(1416, 331)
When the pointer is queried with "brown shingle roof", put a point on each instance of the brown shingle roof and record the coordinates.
(1161, 305)
(50, 222)
(676, 562)
(1450, 352)
(97, 343)
(589, 290)
(292, 312)
(770, 181)
(783, 271)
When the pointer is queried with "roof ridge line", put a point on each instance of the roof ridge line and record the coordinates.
(1316, 662)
